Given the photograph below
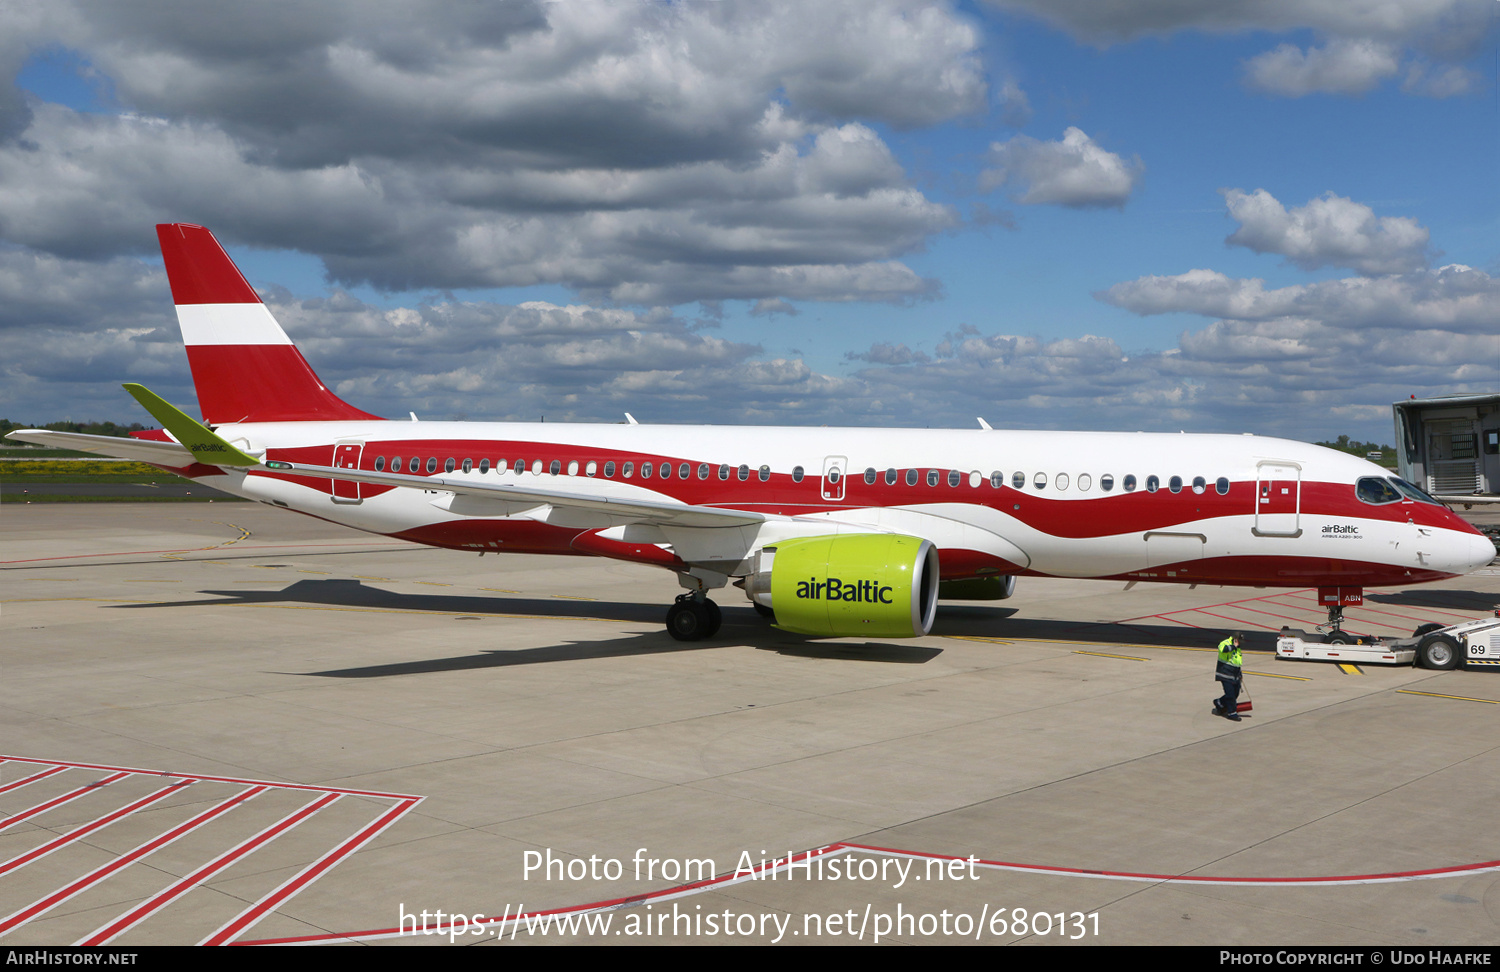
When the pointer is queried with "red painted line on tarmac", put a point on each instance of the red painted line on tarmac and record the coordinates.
(250, 916)
(1225, 604)
(125, 860)
(31, 779)
(59, 801)
(171, 893)
(21, 860)
(126, 770)
(760, 872)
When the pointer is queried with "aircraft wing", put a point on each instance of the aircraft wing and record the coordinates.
(141, 450)
(641, 510)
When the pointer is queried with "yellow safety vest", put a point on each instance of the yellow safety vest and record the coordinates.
(1229, 654)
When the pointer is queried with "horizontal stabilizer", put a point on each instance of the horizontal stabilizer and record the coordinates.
(141, 450)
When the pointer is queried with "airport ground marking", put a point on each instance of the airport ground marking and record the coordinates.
(1350, 669)
(497, 926)
(1105, 654)
(321, 797)
(68, 797)
(1440, 695)
(26, 781)
(146, 849)
(1298, 678)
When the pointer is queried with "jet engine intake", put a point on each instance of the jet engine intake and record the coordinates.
(852, 585)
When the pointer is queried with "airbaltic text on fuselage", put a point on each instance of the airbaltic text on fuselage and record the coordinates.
(834, 589)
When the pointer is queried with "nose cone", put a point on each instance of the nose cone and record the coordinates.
(1481, 551)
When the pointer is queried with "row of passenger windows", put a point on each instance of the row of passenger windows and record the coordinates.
(1039, 481)
(626, 470)
(1062, 481)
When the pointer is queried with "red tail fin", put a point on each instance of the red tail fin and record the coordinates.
(245, 368)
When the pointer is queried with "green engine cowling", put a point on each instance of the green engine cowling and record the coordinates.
(872, 584)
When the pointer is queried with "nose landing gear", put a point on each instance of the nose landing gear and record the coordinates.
(693, 617)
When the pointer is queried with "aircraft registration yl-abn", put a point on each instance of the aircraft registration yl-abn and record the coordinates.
(829, 532)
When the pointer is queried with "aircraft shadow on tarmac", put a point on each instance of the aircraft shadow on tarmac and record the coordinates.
(741, 626)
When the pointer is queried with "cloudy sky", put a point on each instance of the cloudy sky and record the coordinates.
(1240, 215)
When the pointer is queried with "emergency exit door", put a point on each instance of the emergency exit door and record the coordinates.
(346, 456)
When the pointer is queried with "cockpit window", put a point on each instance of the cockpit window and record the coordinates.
(1412, 492)
(1376, 491)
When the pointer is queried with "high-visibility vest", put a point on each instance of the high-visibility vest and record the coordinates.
(1229, 654)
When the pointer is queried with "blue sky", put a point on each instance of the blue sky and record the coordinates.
(1394, 121)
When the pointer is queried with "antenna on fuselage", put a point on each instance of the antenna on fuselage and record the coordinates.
(631, 419)
(984, 425)
(413, 415)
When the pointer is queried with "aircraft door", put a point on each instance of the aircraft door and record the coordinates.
(1278, 496)
(834, 468)
(346, 456)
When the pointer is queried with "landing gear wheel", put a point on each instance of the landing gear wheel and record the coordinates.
(686, 621)
(1339, 638)
(1438, 652)
(692, 620)
(1428, 628)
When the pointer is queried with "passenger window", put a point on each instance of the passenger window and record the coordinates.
(448, 466)
(702, 470)
(499, 466)
(666, 470)
(468, 465)
(627, 470)
(1107, 482)
(573, 467)
(484, 466)
(432, 464)
(1017, 480)
(890, 477)
(396, 464)
(380, 463)
(1129, 483)
(723, 471)
(1199, 484)
(954, 477)
(536, 467)
(997, 479)
(609, 470)
(1152, 484)
(911, 477)
(1062, 481)
(932, 477)
(744, 473)
(975, 479)
(592, 469)
(645, 470)
(684, 471)
(1084, 482)
(765, 474)
(1222, 485)
(1039, 480)
(870, 476)
(797, 474)
(555, 467)
(833, 477)
(519, 467)
(1175, 484)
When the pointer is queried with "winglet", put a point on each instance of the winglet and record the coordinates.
(198, 439)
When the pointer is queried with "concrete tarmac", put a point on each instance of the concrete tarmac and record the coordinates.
(184, 656)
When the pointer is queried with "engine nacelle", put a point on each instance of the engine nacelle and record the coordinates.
(879, 585)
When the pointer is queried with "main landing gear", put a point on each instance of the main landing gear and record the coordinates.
(693, 617)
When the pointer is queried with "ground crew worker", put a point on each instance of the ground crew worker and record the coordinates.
(1228, 672)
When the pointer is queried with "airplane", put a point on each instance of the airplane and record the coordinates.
(831, 532)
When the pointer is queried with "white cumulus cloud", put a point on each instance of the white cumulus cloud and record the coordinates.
(1075, 171)
(1343, 66)
(1328, 231)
